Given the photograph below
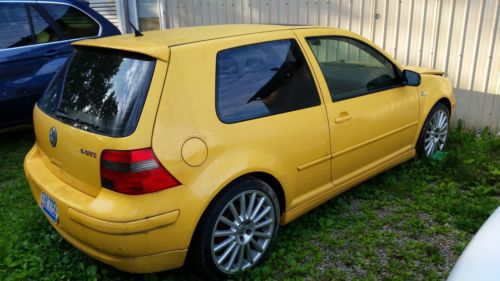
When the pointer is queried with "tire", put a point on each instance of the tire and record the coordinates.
(228, 241)
(434, 133)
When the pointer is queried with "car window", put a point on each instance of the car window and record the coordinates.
(263, 79)
(42, 30)
(96, 92)
(15, 26)
(73, 22)
(352, 68)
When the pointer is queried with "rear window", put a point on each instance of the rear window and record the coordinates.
(100, 91)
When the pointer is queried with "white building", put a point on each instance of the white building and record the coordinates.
(460, 37)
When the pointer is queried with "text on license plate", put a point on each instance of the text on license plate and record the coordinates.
(49, 207)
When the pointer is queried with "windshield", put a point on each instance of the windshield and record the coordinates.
(101, 91)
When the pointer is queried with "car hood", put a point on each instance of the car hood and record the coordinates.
(480, 259)
(423, 70)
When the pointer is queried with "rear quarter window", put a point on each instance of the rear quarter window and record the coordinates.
(263, 79)
(43, 31)
(73, 22)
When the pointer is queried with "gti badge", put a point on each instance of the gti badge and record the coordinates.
(88, 152)
(53, 136)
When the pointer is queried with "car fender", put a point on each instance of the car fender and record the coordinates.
(432, 89)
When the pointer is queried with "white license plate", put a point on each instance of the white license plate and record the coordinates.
(49, 207)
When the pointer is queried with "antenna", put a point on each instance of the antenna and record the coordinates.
(136, 31)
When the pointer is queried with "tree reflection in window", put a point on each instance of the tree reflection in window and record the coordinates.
(104, 88)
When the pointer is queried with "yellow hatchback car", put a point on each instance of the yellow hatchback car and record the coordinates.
(198, 143)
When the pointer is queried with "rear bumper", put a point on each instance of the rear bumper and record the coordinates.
(138, 234)
(140, 264)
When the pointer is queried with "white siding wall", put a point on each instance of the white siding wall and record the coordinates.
(106, 8)
(461, 37)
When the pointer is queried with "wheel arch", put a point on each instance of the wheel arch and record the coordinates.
(428, 102)
(445, 101)
(271, 180)
(275, 185)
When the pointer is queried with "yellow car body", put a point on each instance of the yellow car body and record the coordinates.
(307, 161)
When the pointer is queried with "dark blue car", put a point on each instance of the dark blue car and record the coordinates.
(35, 41)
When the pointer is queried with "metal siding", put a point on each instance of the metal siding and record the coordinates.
(460, 37)
(107, 8)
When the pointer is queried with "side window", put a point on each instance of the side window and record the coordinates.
(73, 22)
(42, 30)
(263, 79)
(352, 68)
(15, 26)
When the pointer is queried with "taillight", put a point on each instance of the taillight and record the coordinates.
(134, 172)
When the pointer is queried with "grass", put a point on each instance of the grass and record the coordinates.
(411, 222)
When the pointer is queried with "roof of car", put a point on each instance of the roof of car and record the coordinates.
(157, 43)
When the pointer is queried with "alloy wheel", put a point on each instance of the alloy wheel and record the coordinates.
(243, 231)
(436, 133)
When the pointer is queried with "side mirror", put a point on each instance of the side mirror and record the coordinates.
(411, 78)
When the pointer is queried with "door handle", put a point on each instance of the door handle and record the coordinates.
(50, 53)
(344, 117)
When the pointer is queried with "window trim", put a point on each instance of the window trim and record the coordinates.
(30, 21)
(60, 41)
(309, 69)
(49, 20)
(396, 69)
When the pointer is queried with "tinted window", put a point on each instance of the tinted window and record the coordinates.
(263, 79)
(352, 68)
(73, 22)
(101, 91)
(15, 26)
(43, 31)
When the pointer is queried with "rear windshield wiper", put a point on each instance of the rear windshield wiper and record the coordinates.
(61, 115)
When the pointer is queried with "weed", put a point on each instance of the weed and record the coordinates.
(411, 222)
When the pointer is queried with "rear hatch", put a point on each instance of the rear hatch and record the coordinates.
(102, 99)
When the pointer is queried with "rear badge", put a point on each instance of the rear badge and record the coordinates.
(53, 137)
(88, 153)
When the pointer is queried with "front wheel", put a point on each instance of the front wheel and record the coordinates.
(238, 230)
(434, 133)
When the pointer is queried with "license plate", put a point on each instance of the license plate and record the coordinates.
(49, 207)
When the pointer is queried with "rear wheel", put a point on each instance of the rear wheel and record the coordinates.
(238, 230)
(434, 133)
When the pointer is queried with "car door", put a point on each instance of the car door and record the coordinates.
(55, 26)
(37, 44)
(70, 24)
(373, 117)
(31, 51)
(268, 90)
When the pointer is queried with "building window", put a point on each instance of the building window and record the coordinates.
(148, 14)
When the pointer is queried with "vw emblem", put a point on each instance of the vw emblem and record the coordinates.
(53, 136)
